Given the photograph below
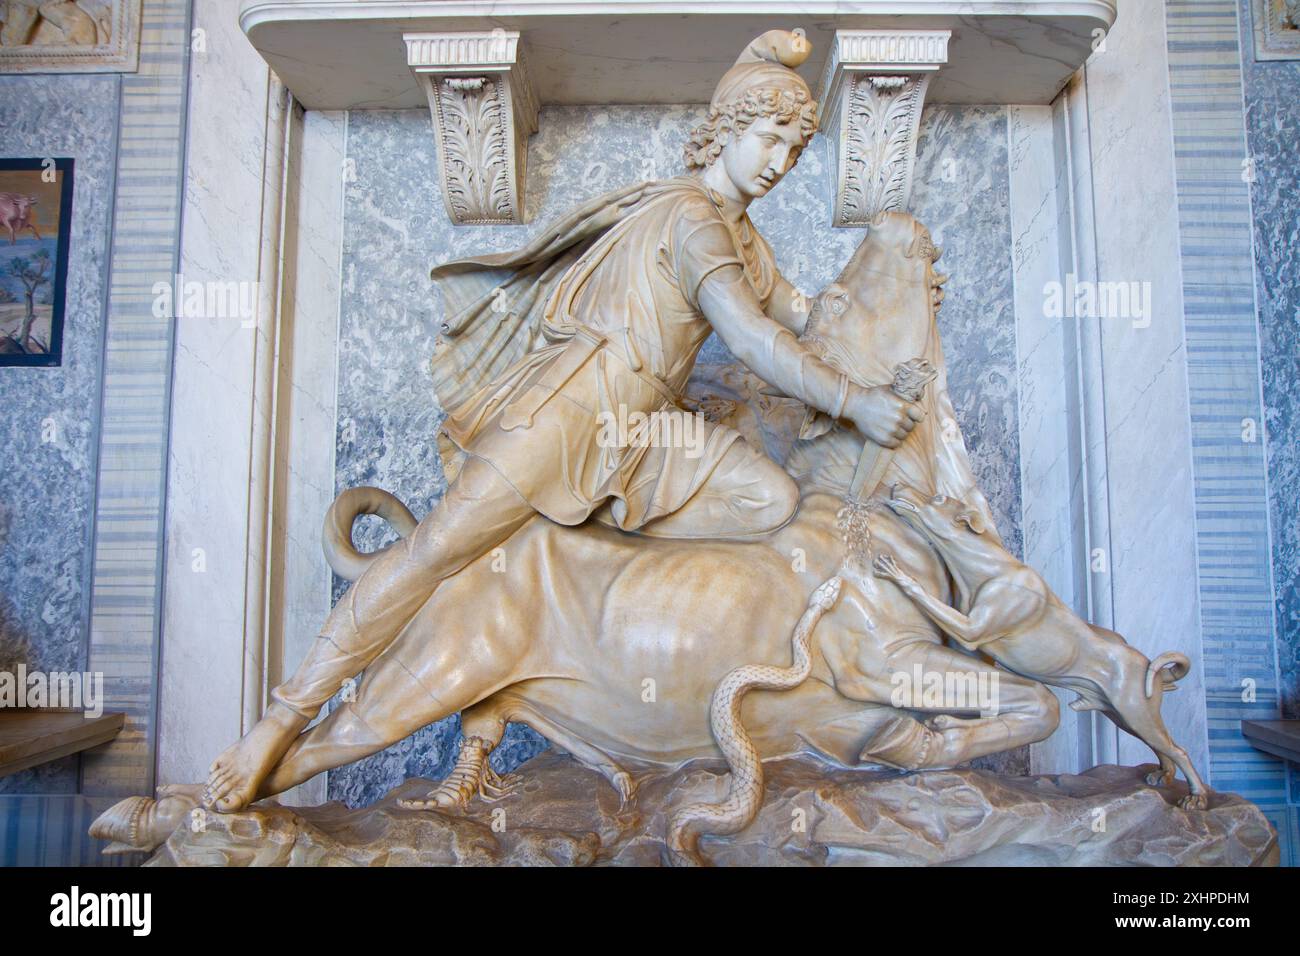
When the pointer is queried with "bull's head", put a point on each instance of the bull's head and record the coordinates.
(879, 312)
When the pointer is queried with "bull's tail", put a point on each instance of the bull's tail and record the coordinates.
(336, 537)
(1178, 665)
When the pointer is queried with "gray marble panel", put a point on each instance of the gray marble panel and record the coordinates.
(1272, 90)
(50, 423)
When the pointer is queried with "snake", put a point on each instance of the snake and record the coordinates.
(745, 792)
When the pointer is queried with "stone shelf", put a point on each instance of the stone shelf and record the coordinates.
(336, 54)
(1281, 738)
(485, 70)
(32, 737)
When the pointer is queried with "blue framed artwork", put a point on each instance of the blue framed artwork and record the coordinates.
(35, 227)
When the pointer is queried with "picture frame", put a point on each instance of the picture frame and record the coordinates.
(35, 236)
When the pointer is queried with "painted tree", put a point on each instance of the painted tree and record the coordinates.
(32, 273)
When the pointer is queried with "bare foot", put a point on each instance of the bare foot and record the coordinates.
(236, 775)
(1194, 801)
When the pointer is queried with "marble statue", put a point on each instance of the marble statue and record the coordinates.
(638, 601)
(602, 315)
(1014, 617)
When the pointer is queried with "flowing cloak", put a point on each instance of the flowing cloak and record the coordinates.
(594, 321)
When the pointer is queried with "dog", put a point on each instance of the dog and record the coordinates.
(1016, 619)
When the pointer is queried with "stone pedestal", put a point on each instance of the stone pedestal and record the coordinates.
(562, 814)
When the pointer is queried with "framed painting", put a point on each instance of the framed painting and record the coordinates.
(35, 227)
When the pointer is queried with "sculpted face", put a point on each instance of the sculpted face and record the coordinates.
(759, 159)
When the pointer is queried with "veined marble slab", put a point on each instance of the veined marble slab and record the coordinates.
(350, 55)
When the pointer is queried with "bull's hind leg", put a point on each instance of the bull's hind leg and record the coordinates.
(589, 756)
(1022, 711)
(482, 726)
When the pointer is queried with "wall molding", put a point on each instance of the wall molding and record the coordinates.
(1229, 465)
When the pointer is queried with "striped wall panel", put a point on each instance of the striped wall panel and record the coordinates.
(126, 586)
(53, 831)
(1228, 463)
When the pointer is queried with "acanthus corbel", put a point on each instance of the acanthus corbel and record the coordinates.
(484, 109)
(871, 99)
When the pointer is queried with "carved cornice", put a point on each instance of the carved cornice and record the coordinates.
(484, 109)
(872, 94)
(1277, 29)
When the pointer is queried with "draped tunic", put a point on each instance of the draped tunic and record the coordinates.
(617, 333)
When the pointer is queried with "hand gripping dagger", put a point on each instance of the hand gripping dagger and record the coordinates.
(910, 380)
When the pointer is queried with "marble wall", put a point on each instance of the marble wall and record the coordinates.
(49, 425)
(1272, 90)
(395, 228)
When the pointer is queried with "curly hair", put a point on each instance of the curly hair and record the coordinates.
(707, 139)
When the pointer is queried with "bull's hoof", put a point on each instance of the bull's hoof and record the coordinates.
(625, 784)
(904, 744)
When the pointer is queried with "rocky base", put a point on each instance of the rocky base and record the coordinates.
(565, 815)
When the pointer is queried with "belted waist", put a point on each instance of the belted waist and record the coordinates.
(583, 343)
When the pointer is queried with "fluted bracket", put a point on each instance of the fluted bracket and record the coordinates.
(872, 93)
(484, 109)
(1277, 29)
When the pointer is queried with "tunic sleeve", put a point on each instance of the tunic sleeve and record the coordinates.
(702, 244)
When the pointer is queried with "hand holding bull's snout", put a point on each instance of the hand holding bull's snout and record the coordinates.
(882, 416)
